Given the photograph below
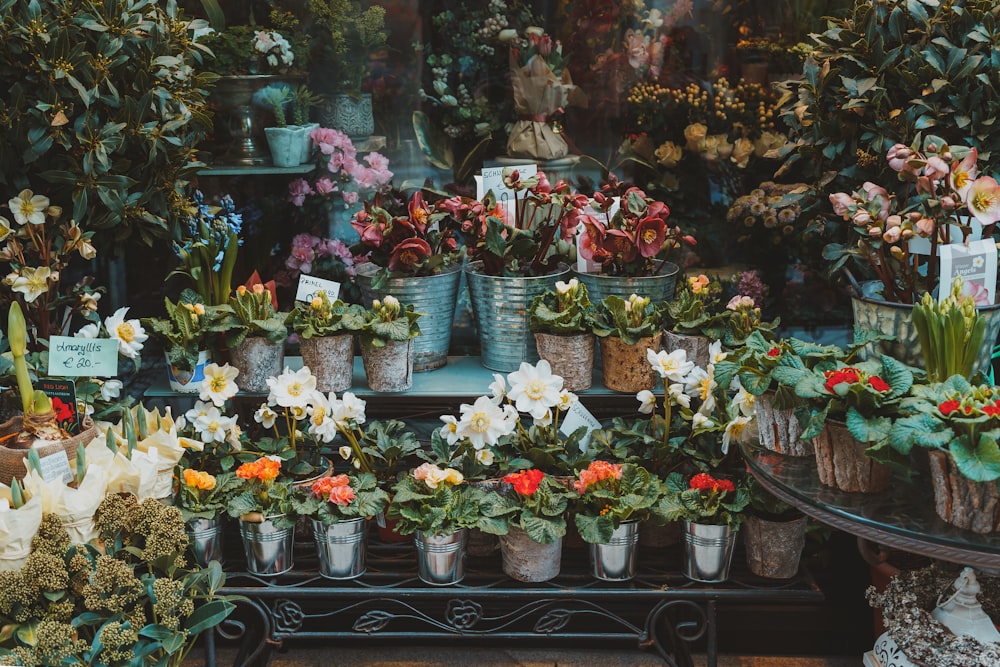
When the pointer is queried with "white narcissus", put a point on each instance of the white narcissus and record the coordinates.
(129, 333)
(534, 389)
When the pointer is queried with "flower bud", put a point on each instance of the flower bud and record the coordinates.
(897, 252)
(948, 203)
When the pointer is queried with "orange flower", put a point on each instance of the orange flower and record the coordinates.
(199, 480)
(341, 495)
(264, 469)
(525, 482)
(596, 472)
(322, 487)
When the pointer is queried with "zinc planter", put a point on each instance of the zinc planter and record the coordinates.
(257, 359)
(341, 548)
(656, 288)
(524, 559)
(268, 549)
(626, 368)
(500, 310)
(615, 560)
(774, 548)
(441, 558)
(570, 356)
(433, 296)
(388, 368)
(331, 361)
(779, 429)
(842, 464)
(205, 539)
(708, 551)
(188, 382)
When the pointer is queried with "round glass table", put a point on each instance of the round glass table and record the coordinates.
(902, 517)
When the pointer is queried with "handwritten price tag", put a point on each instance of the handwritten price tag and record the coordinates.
(578, 416)
(309, 285)
(89, 357)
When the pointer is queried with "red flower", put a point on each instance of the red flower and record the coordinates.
(847, 375)
(774, 352)
(947, 407)
(705, 482)
(991, 410)
(620, 244)
(525, 482)
(419, 212)
(591, 240)
(62, 409)
(878, 384)
(409, 254)
(650, 234)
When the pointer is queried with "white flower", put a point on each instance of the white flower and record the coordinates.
(32, 283)
(701, 384)
(484, 422)
(745, 401)
(544, 420)
(498, 388)
(715, 353)
(675, 393)
(485, 456)
(111, 389)
(5, 229)
(349, 408)
(129, 333)
(534, 389)
(299, 412)
(345, 452)
(700, 421)
(88, 331)
(566, 400)
(200, 409)
(219, 384)
(321, 423)
(564, 288)
(265, 416)
(29, 207)
(734, 431)
(673, 366)
(450, 429)
(292, 388)
(647, 401)
(233, 439)
(213, 426)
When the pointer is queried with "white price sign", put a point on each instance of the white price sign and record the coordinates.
(309, 285)
(578, 416)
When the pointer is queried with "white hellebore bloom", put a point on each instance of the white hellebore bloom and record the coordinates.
(213, 426)
(485, 456)
(321, 423)
(265, 416)
(498, 388)
(29, 207)
(534, 389)
(345, 452)
(566, 400)
(715, 353)
(200, 409)
(544, 420)
(745, 401)
(701, 384)
(32, 283)
(129, 333)
(734, 431)
(700, 421)
(647, 401)
(292, 388)
(676, 395)
(348, 408)
(111, 389)
(484, 422)
(219, 384)
(673, 366)
(450, 429)
(88, 331)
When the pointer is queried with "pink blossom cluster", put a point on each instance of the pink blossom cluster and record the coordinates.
(345, 169)
(307, 248)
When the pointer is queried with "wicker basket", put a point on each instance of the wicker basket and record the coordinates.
(12, 464)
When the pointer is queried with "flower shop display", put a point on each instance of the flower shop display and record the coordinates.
(412, 254)
(956, 422)
(326, 336)
(261, 505)
(632, 244)
(612, 498)
(437, 506)
(202, 499)
(532, 507)
(712, 509)
(542, 86)
(627, 328)
(516, 251)
(255, 334)
(131, 603)
(339, 508)
(387, 344)
(327, 258)
(21, 515)
(560, 322)
(184, 335)
(290, 143)
(851, 409)
(774, 534)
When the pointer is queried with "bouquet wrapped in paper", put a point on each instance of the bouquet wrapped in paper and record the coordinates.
(19, 521)
(127, 470)
(542, 87)
(74, 505)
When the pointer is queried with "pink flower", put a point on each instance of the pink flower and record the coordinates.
(898, 157)
(842, 202)
(964, 173)
(298, 190)
(881, 194)
(984, 200)
(328, 141)
(936, 168)
(350, 198)
(325, 186)
(409, 254)
(977, 291)
(650, 234)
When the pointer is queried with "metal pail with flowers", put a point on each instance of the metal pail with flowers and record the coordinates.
(268, 549)
(615, 560)
(657, 288)
(708, 551)
(205, 538)
(341, 547)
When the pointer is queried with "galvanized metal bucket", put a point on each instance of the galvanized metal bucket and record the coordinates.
(268, 549)
(341, 547)
(433, 296)
(615, 559)
(657, 288)
(708, 552)
(441, 558)
(205, 539)
(500, 309)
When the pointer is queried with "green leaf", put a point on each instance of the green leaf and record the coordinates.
(980, 464)
(208, 616)
(544, 530)
(594, 529)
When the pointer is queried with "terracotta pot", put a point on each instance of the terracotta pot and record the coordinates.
(626, 368)
(841, 462)
(570, 356)
(331, 360)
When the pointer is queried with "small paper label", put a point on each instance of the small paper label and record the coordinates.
(584, 265)
(578, 416)
(63, 395)
(86, 357)
(309, 285)
(976, 263)
(55, 468)
(919, 245)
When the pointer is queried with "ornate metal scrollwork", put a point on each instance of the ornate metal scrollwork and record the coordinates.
(372, 621)
(288, 616)
(463, 614)
(553, 621)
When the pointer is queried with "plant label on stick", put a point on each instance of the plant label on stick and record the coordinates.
(309, 285)
(584, 265)
(63, 395)
(976, 263)
(578, 416)
(55, 468)
(86, 357)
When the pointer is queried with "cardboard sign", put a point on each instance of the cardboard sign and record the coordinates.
(976, 263)
(55, 468)
(578, 416)
(63, 395)
(309, 285)
(83, 357)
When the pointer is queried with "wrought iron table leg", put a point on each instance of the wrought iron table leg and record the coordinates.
(679, 634)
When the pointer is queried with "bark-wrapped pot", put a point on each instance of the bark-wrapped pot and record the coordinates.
(696, 347)
(388, 368)
(779, 429)
(841, 462)
(960, 501)
(571, 357)
(626, 367)
(524, 559)
(257, 359)
(774, 548)
(331, 361)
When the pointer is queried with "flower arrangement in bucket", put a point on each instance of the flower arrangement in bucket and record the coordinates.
(328, 258)
(611, 500)
(262, 505)
(627, 328)
(951, 333)
(530, 508)
(387, 344)
(202, 500)
(208, 249)
(712, 509)
(326, 336)
(560, 321)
